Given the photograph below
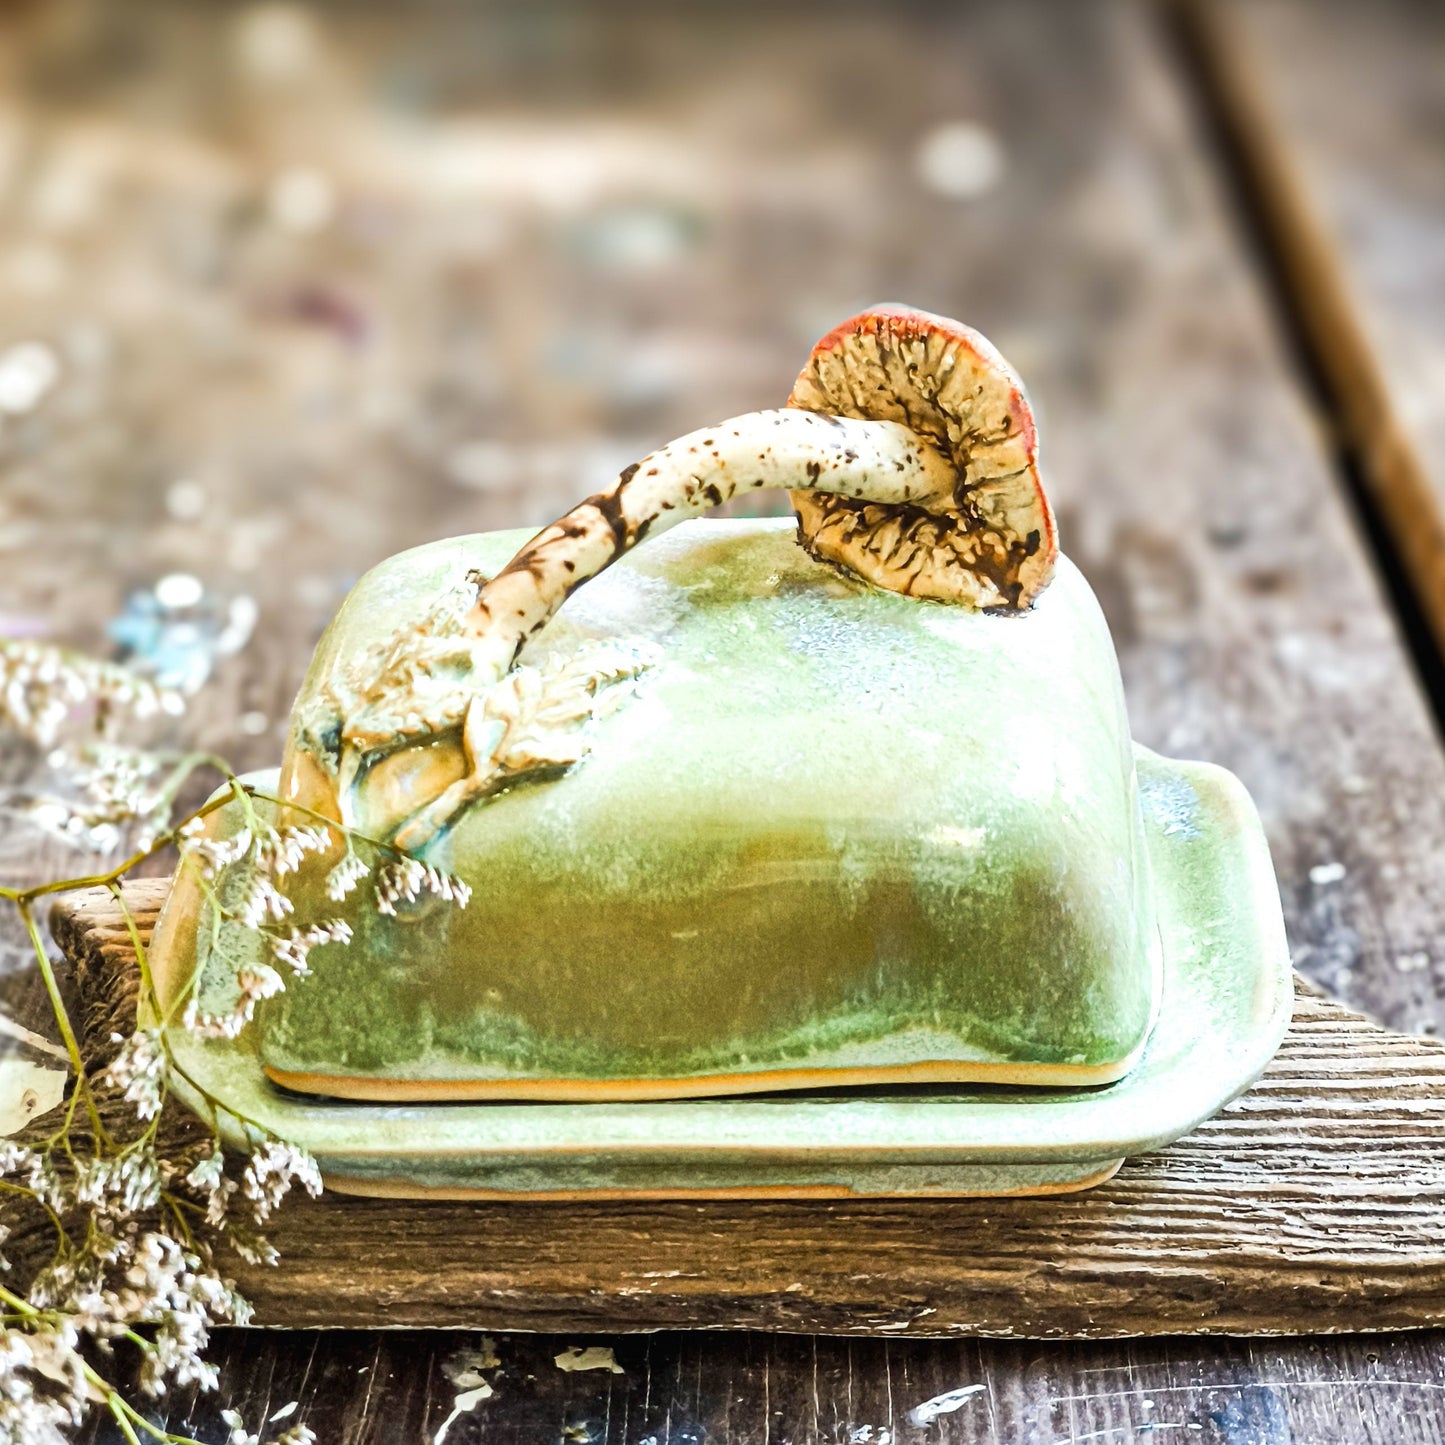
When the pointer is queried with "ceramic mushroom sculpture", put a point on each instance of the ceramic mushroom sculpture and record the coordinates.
(909, 449)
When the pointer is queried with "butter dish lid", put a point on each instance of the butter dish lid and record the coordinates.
(735, 813)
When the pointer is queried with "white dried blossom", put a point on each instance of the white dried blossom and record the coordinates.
(261, 903)
(404, 879)
(213, 855)
(32, 1414)
(208, 1178)
(219, 1202)
(239, 1435)
(252, 1247)
(342, 880)
(254, 983)
(100, 1189)
(139, 1071)
(113, 793)
(123, 1185)
(280, 851)
(259, 981)
(270, 1173)
(35, 1170)
(212, 1026)
(447, 887)
(294, 948)
(43, 686)
(14, 1159)
(208, 1172)
(169, 1287)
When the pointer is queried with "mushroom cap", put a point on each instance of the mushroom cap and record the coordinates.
(993, 542)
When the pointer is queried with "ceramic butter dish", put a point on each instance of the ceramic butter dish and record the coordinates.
(749, 806)
(829, 835)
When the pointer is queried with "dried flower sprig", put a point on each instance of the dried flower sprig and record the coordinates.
(44, 687)
(342, 880)
(240, 877)
(136, 1232)
(404, 880)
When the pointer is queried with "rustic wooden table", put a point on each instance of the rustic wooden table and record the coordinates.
(320, 285)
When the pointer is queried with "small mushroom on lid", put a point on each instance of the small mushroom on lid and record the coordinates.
(918, 472)
(909, 450)
(993, 544)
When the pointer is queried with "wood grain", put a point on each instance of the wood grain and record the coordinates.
(397, 1388)
(1336, 109)
(1316, 1201)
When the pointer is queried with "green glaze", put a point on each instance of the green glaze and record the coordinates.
(1224, 1005)
(835, 828)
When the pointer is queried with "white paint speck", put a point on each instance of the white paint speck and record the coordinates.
(594, 1357)
(301, 199)
(179, 590)
(185, 500)
(1324, 873)
(27, 371)
(946, 1404)
(960, 160)
(464, 1368)
(468, 1400)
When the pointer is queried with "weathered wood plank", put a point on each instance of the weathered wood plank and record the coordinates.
(1316, 1201)
(1338, 110)
(699, 1389)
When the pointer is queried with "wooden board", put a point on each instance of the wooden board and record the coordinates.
(756, 1389)
(1316, 1201)
(1335, 109)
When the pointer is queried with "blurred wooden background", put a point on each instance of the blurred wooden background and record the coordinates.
(284, 289)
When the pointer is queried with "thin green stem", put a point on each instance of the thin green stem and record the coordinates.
(101, 880)
(117, 1409)
(29, 1193)
(19, 1305)
(62, 1016)
(128, 1413)
(345, 829)
(142, 958)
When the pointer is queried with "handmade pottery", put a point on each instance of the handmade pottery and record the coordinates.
(747, 808)
(834, 835)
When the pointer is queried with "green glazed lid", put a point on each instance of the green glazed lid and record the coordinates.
(829, 833)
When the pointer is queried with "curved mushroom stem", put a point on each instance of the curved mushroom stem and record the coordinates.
(877, 461)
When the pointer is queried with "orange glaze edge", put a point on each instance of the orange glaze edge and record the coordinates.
(405, 1189)
(401, 1091)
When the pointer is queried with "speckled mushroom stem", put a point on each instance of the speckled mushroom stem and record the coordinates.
(877, 461)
